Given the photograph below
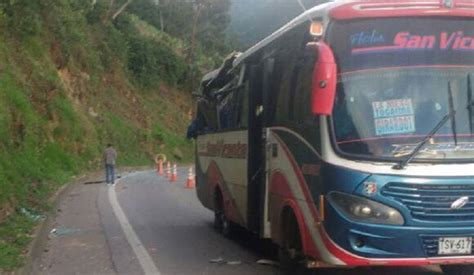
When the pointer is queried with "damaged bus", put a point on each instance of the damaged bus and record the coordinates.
(346, 137)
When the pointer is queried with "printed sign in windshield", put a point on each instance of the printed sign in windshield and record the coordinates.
(392, 108)
(393, 117)
(402, 42)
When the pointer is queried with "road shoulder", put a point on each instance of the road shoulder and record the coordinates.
(73, 239)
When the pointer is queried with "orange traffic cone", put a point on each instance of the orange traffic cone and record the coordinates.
(190, 182)
(168, 170)
(174, 175)
(160, 167)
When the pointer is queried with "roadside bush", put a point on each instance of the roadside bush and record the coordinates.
(97, 13)
(22, 16)
(149, 62)
(113, 47)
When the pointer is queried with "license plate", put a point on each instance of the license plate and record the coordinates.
(454, 246)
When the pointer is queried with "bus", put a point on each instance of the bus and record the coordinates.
(346, 136)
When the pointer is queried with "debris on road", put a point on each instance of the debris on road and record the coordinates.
(30, 215)
(268, 262)
(217, 260)
(220, 260)
(94, 182)
(62, 231)
(234, 262)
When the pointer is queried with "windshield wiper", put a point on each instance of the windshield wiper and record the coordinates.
(453, 118)
(419, 146)
(469, 99)
(449, 115)
(404, 162)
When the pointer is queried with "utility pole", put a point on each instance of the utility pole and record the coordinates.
(191, 57)
(157, 3)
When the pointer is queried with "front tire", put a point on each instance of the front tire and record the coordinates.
(290, 252)
(457, 269)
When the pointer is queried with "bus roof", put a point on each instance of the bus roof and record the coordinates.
(401, 8)
(354, 9)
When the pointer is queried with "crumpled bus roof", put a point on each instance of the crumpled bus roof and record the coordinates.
(218, 78)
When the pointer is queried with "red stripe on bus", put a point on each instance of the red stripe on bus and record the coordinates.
(398, 8)
(407, 67)
(355, 260)
(281, 196)
(376, 49)
(399, 137)
(301, 180)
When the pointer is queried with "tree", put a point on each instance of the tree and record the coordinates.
(201, 23)
(121, 9)
(114, 15)
(170, 16)
(213, 34)
(210, 21)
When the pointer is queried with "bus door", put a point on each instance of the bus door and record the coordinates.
(269, 105)
(256, 145)
(258, 163)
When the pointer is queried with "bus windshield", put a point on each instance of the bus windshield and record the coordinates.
(398, 79)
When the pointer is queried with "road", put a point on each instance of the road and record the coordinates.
(145, 224)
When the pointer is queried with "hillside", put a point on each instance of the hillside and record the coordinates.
(72, 80)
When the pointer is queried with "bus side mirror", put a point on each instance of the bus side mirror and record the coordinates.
(324, 80)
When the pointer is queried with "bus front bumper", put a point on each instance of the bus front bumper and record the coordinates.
(358, 244)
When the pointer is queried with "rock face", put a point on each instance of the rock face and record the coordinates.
(178, 154)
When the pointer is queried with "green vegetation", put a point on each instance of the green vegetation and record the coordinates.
(74, 77)
(15, 237)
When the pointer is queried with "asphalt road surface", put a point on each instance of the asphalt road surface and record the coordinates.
(146, 225)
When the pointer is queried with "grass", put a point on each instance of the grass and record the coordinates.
(14, 237)
(126, 138)
(149, 31)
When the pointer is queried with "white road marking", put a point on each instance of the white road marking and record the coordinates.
(145, 260)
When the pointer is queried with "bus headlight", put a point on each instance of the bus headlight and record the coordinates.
(364, 210)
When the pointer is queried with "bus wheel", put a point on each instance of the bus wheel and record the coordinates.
(457, 269)
(218, 211)
(228, 228)
(290, 252)
(221, 223)
(218, 223)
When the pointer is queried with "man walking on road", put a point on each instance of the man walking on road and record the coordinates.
(109, 160)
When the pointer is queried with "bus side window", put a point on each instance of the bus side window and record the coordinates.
(269, 93)
(302, 90)
(283, 70)
(243, 105)
(224, 110)
(303, 119)
(227, 106)
(281, 86)
(286, 64)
